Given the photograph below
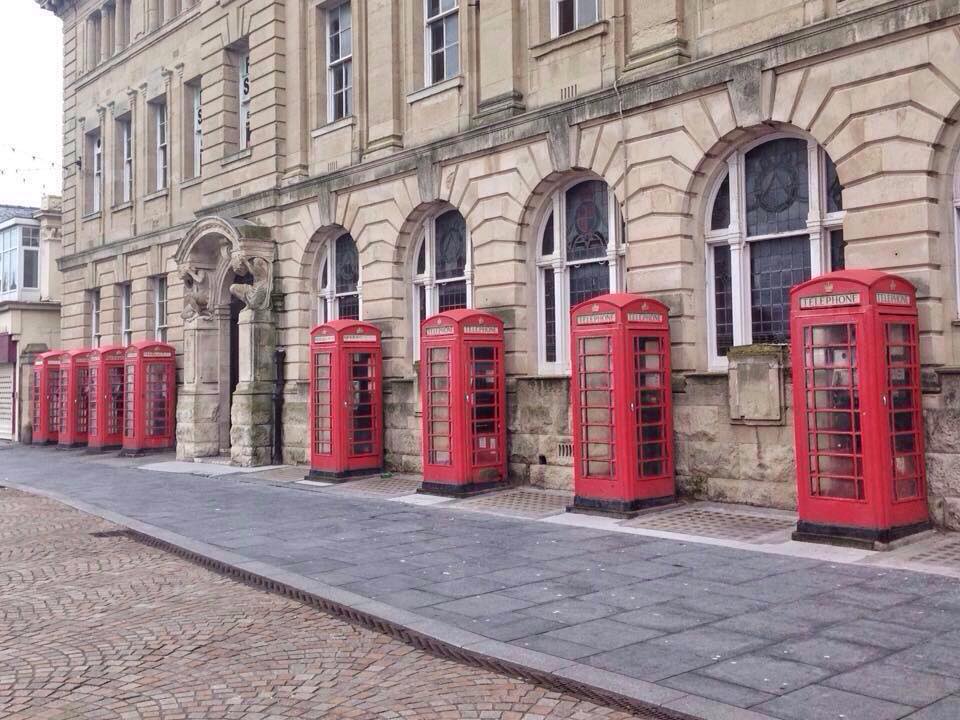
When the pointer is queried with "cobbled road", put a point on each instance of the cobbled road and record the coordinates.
(106, 628)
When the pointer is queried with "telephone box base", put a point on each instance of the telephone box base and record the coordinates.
(70, 446)
(343, 475)
(140, 452)
(100, 449)
(44, 443)
(617, 508)
(864, 538)
(461, 491)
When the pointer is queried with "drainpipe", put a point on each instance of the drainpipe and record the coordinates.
(279, 355)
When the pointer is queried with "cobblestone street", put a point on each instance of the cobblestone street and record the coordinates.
(96, 625)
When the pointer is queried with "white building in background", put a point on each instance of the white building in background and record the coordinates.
(29, 304)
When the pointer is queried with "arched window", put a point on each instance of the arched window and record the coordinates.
(776, 219)
(578, 257)
(339, 281)
(442, 276)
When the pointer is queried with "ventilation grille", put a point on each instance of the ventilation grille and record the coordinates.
(565, 449)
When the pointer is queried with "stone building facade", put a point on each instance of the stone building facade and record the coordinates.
(390, 158)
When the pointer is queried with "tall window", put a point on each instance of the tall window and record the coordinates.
(243, 86)
(31, 257)
(160, 146)
(442, 40)
(9, 252)
(93, 300)
(339, 62)
(126, 312)
(569, 15)
(124, 156)
(776, 220)
(339, 281)
(97, 188)
(160, 307)
(578, 258)
(442, 276)
(194, 139)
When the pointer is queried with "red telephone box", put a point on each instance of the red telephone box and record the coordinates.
(463, 397)
(105, 431)
(858, 419)
(346, 406)
(149, 388)
(622, 405)
(46, 398)
(74, 398)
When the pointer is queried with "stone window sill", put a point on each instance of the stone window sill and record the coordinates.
(435, 89)
(92, 216)
(236, 157)
(190, 182)
(552, 45)
(156, 194)
(349, 121)
(122, 206)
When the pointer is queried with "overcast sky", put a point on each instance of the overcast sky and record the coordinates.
(31, 112)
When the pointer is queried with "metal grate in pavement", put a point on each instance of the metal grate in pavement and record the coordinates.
(392, 486)
(287, 473)
(519, 502)
(715, 523)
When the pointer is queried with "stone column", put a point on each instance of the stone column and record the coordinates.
(251, 416)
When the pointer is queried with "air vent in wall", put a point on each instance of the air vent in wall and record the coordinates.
(568, 93)
(564, 449)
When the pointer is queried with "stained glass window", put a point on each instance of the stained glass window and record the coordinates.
(451, 245)
(777, 188)
(723, 298)
(834, 188)
(775, 267)
(348, 264)
(340, 280)
(720, 217)
(587, 221)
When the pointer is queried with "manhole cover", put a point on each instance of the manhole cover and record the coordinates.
(387, 486)
(523, 502)
(723, 524)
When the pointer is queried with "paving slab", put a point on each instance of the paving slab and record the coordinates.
(817, 703)
(946, 709)
(897, 684)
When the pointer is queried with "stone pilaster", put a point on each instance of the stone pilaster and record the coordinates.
(252, 412)
(198, 404)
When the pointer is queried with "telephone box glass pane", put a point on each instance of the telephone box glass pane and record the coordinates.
(37, 391)
(484, 388)
(362, 393)
(115, 403)
(322, 405)
(129, 400)
(833, 411)
(92, 403)
(438, 425)
(650, 406)
(595, 369)
(903, 409)
(54, 414)
(83, 400)
(158, 416)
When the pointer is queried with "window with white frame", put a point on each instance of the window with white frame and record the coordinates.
(161, 158)
(442, 43)
(579, 256)
(93, 300)
(243, 92)
(30, 242)
(9, 259)
(19, 259)
(160, 308)
(775, 220)
(442, 273)
(125, 158)
(126, 313)
(339, 62)
(339, 281)
(96, 172)
(569, 15)
(195, 141)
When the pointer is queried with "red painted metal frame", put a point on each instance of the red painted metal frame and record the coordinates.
(105, 431)
(74, 398)
(622, 404)
(149, 403)
(345, 405)
(858, 420)
(46, 398)
(463, 399)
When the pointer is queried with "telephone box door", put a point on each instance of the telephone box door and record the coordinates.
(485, 400)
(106, 399)
(75, 398)
(651, 412)
(46, 422)
(149, 396)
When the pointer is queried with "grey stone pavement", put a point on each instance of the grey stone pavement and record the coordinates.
(715, 632)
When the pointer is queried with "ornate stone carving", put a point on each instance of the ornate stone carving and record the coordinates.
(196, 293)
(256, 296)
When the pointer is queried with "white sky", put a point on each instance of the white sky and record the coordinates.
(31, 103)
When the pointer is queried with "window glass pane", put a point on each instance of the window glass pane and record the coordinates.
(838, 246)
(451, 295)
(31, 268)
(720, 217)
(834, 188)
(723, 298)
(565, 16)
(587, 221)
(586, 12)
(775, 267)
(777, 188)
(348, 307)
(422, 259)
(451, 245)
(546, 245)
(550, 315)
(348, 264)
(588, 280)
(436, 66)
(433, 7)
(452, 61)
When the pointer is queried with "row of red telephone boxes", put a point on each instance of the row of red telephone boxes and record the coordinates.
(106, 398)
(856, 391)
